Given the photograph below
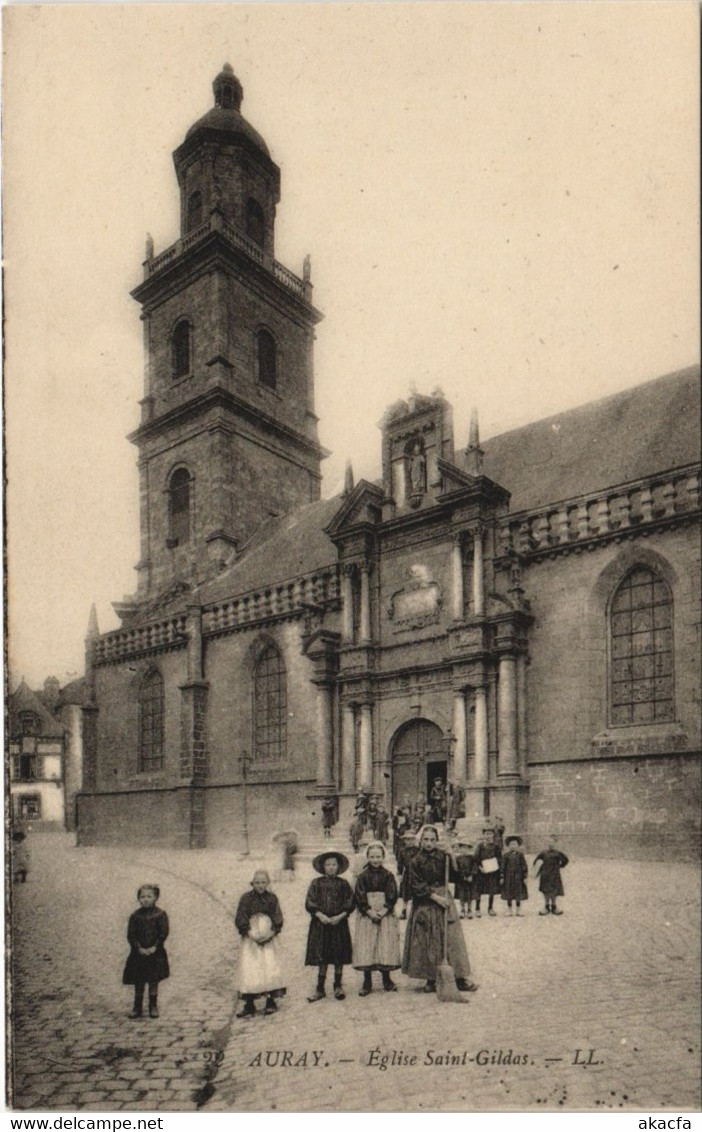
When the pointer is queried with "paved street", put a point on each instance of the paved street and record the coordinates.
(617, 974)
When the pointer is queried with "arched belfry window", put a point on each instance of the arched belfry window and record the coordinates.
(194, 211)
(270, 706)
(267, 359)
(182, 348)
(179, 504)
(255, 222)
(151, 722)
(641, 650)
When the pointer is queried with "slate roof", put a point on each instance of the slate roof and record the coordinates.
(24, 699)
(281, 549)
(627, 436)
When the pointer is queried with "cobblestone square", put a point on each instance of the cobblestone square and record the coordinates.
(596, 1010)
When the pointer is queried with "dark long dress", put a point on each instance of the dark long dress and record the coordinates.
(465, 882)
(424, 938)
(514, 873)
(148, 927)
(553, 861)
(487, 884)
(329, 943)
(407, 852)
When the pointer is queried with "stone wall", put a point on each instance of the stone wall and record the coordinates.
(646, 807)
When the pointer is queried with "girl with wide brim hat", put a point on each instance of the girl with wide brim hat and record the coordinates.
(341, 860)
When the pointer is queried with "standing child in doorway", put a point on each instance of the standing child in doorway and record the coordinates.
(147, 961)
(549, 873)
(259, 921)
(329, 902)
(514, 872)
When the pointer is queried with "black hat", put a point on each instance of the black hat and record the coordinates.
(318, 862)
(513, 837)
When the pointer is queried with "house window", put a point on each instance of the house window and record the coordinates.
(641, 650)
(194, 211)
(267, 362)
(181, 349)
(29, 723)
(255, 222)
(29, 767)
(270, 706)
(28, 807)
(179, 492)
(151, 723)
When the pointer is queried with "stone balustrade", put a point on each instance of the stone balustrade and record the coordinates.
(612, 514)
(319, 590)
(281, 600)
(216, 223)
(168, 632)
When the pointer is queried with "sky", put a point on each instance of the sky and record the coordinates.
(497, 198)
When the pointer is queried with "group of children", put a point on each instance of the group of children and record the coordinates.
(475, 871)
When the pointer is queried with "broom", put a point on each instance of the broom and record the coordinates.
(446, 989)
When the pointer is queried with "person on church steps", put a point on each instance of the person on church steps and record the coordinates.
(376, 944)
(401, 822)
(424, 938)
(259, 921)
(329, 902)
(437, 797)
(487, 859)
(513, 874)
(407, 850)
(465, 882)
(147, 961)
(549, 873)
(381, 826)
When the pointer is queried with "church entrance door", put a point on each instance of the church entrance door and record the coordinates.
(418, 758)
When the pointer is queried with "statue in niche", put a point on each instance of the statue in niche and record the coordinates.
(417, 467)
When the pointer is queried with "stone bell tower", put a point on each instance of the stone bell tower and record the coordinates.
(228, 435)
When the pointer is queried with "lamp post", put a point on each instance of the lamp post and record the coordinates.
(245, 757)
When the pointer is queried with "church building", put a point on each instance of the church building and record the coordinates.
(520, 618)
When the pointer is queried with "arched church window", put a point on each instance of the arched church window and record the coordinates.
(179, 501)
(270, 706)
(255, 222)
(182, 349)
(151, 722)
(641, 650)
(194, 211)
(267, 362)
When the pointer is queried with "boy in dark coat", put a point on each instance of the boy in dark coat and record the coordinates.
(465, 870)
(147, 961)
(330, 902)
(513, 874)
(487, 859)
(550, 883)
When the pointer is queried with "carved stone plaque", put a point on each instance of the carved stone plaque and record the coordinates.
(418, 603)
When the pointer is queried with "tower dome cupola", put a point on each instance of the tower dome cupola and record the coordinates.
(224, 164)
(228, 91)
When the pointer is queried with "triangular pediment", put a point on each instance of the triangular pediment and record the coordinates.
(362, 506)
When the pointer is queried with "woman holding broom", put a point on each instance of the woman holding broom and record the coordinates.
(433, 928)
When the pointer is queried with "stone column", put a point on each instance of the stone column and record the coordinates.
(457, 577)
(348, 747)
(478, 574)
(366, 745)
(521, 713)
(459, 734)
(325, 738)
(507, 717)
(346, 605)
(365, 603)
(480, 762)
